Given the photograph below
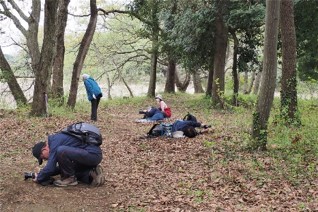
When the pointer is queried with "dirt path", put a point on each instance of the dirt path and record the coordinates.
(142, 174)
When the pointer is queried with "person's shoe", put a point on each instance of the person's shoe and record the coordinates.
(97, 176)
(71, 181)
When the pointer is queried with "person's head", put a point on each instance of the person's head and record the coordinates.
(85, 76)
(189, 132)
(41, 151)
(158, 98)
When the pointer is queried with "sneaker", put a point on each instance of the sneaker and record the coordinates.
(71, 181)
(97, 176)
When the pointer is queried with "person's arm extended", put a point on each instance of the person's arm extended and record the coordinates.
(193, 123)
(49, 170)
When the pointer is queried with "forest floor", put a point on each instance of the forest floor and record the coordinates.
(211, 172)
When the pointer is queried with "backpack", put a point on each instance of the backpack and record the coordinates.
(190, 117)
(168, 112)
(85, 132)
(160, 130)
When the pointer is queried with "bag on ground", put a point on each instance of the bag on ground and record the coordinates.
(160, 130)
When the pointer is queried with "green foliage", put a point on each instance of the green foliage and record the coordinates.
(246, 20)
(193, 37)
(307, 44)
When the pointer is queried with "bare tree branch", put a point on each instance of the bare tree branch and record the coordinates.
(15, 20)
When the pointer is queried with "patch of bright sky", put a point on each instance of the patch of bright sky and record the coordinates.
(13, 35)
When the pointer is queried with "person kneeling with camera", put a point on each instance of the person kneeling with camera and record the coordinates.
(72, 159)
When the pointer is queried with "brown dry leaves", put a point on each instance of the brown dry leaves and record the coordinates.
(160, 174)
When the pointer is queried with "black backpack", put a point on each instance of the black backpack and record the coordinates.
(160, 130)
(190, 117)
(85, 132)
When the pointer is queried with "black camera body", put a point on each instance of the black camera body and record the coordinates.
(29, 175)
(142, 112)
(206, 126)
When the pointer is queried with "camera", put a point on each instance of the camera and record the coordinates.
(206, 126)
(142, 112)
(28, 175)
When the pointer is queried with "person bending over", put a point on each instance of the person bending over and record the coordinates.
(71, 158)
(94, 94)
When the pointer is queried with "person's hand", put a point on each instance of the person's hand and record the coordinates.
(94, 97)
(35, 177)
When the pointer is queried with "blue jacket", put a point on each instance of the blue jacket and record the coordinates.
(92, 88)
(179, 125)
(61, 139)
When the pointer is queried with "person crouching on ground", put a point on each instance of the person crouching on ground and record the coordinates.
(94, 94)
(163, 107)
(71, 158)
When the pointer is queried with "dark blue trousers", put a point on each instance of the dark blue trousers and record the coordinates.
(77, 162)
(94, 107)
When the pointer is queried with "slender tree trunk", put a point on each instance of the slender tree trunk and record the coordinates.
(197, 83)
(219, 58)
(154, 49)
(257, 82)
(153, 71)
(58, 75)
(12, 81)
(170, 82)
(249, 90)
(266, 96)
(84, 47)
(43, 71)
(208, 91)
(169, 25)
(127, 86)
(245, 87)
(288, 80)
(234, 69)
(109, 87)
(31, 34)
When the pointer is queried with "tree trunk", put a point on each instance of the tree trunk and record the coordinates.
(182, 86)
(43, 71)
(249, 90)
(219, 58)
(257, 82)
(208, 91)
(109, 87)
(32, 34)
(153, 71)
(288, 108)
(234, 69)
(58, 64)
(266, 96)
(245, 87)
(84, 47)
(127, 86)
(12, 81)
(170, 85)
(169, 25)
(197, 84)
